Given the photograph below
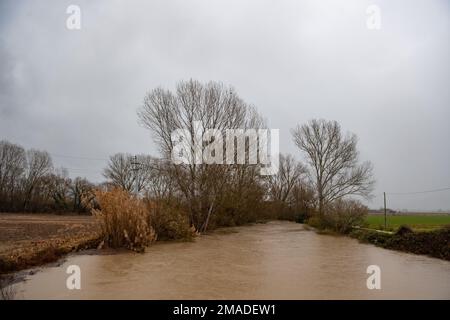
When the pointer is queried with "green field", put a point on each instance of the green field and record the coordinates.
(416, 222)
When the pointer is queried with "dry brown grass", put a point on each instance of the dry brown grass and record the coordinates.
(124, 220)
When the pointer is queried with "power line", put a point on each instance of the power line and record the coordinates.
(77, 157)
(80, 169)
(418, 192)
(136, 165)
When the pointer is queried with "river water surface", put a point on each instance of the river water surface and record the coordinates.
(277, 260)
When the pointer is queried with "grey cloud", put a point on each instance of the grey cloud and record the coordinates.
(76, 92)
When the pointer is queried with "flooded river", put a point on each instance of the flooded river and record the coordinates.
(277, 260)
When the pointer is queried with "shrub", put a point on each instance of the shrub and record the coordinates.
(170, 221)
(376, 238)
(316, 222)
(403, 229)
(341, 216)
(124, 220)
(434, 243)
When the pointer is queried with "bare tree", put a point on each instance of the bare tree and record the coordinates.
(12, 167)
(81, 192)
(39, 164)
(124, 173)
(213, 106)
(289, 192)
(28, 181)
(302, 200)
(333, 161)
(119, 171)
(59, 187)
(289, 174)
(160, 185)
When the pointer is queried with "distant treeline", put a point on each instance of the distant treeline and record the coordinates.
(30, 183)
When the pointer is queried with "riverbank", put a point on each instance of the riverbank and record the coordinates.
(435, 243)
(423, 234)
(29, 240)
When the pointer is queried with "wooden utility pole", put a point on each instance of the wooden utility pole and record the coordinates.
(135, 167)
(385, 222)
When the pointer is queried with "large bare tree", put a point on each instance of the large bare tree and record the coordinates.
(333, 161)
(212, 105)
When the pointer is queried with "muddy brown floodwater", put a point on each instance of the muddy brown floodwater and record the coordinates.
(277, 260)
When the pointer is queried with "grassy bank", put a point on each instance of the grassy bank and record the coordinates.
(416, 222)
(435, 243)
(419, 234)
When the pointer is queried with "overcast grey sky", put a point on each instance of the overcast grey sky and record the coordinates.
(76, 92)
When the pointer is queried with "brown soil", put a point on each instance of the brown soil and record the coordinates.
(28, 240)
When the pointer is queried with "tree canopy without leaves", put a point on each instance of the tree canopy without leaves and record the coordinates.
(333, 161)
(28, 182)
(12, 167)
(122, 172)
(289, 175)
(213, 106)
(39, 164)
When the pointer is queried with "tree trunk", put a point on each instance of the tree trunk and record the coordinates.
(205, 225)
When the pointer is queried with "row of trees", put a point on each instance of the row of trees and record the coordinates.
(30, 183)
(214, 193)
(235, 194)
(206, 194)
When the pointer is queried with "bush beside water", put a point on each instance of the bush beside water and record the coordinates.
(340, 216)
(433, 243)
(127, 221)
(124, 220)
(170, 221)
